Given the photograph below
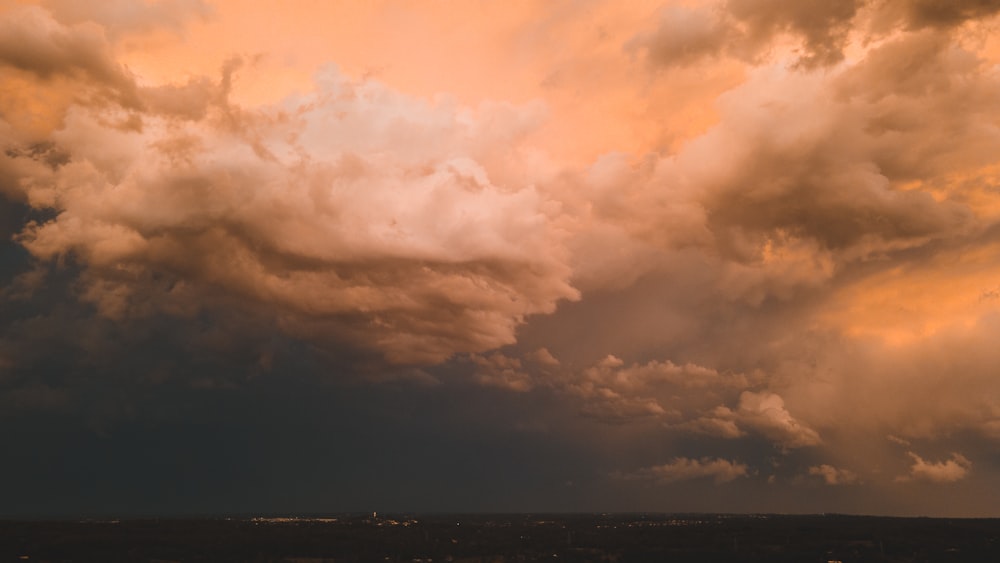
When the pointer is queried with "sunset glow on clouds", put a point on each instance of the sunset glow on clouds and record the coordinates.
(754, 241)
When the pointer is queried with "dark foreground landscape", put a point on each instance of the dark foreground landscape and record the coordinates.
(504, 538)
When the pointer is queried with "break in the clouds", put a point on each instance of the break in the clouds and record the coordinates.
(679, 234)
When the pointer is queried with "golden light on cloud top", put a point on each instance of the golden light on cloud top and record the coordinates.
(745, 221)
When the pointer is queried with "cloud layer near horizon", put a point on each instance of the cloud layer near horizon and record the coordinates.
(745, 224)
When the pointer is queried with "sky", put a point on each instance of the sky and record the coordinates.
(540, 255)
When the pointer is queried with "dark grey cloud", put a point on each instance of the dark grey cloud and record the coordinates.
(749, 29)
(822, 25)
(941, 13)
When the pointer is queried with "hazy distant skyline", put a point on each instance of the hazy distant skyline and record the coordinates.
(478, 256)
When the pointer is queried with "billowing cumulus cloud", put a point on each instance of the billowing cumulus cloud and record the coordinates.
(948, 471)
(766, 413)
(683, 469)
(762, 412)
(356, 212)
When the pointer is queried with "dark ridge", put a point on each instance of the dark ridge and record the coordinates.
(505, 538)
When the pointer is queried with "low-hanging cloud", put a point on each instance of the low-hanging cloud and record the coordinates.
(834, 475)
(948, 471)
(612, 391)
(762, 412)
(684, 469)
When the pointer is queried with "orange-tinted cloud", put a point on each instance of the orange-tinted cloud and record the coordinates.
(751, 221)
(683, 469)
(947, 471)
(834, 476)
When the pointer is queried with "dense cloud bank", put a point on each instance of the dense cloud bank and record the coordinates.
(353, 212)
(806, 269)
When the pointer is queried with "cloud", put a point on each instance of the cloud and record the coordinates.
(822, 171)
(611, 371)
(684, 469)
(948, 471)
(918, 14)
(355, 212)
(762, 412)
(119, 17)
(829, 177)
(788, 209)
(805, 226)
(834, 476)
(543, 357)
(991, 429)
(684, 36)
(604, 398)
(497, 370)
(720, 422)
(891, 362)
(33, 42)
(898, 440)
(747, 29)
(609, 406)
(766, 413)
(614, 391)
(611, 391)
(822, 26)
(752, 30)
